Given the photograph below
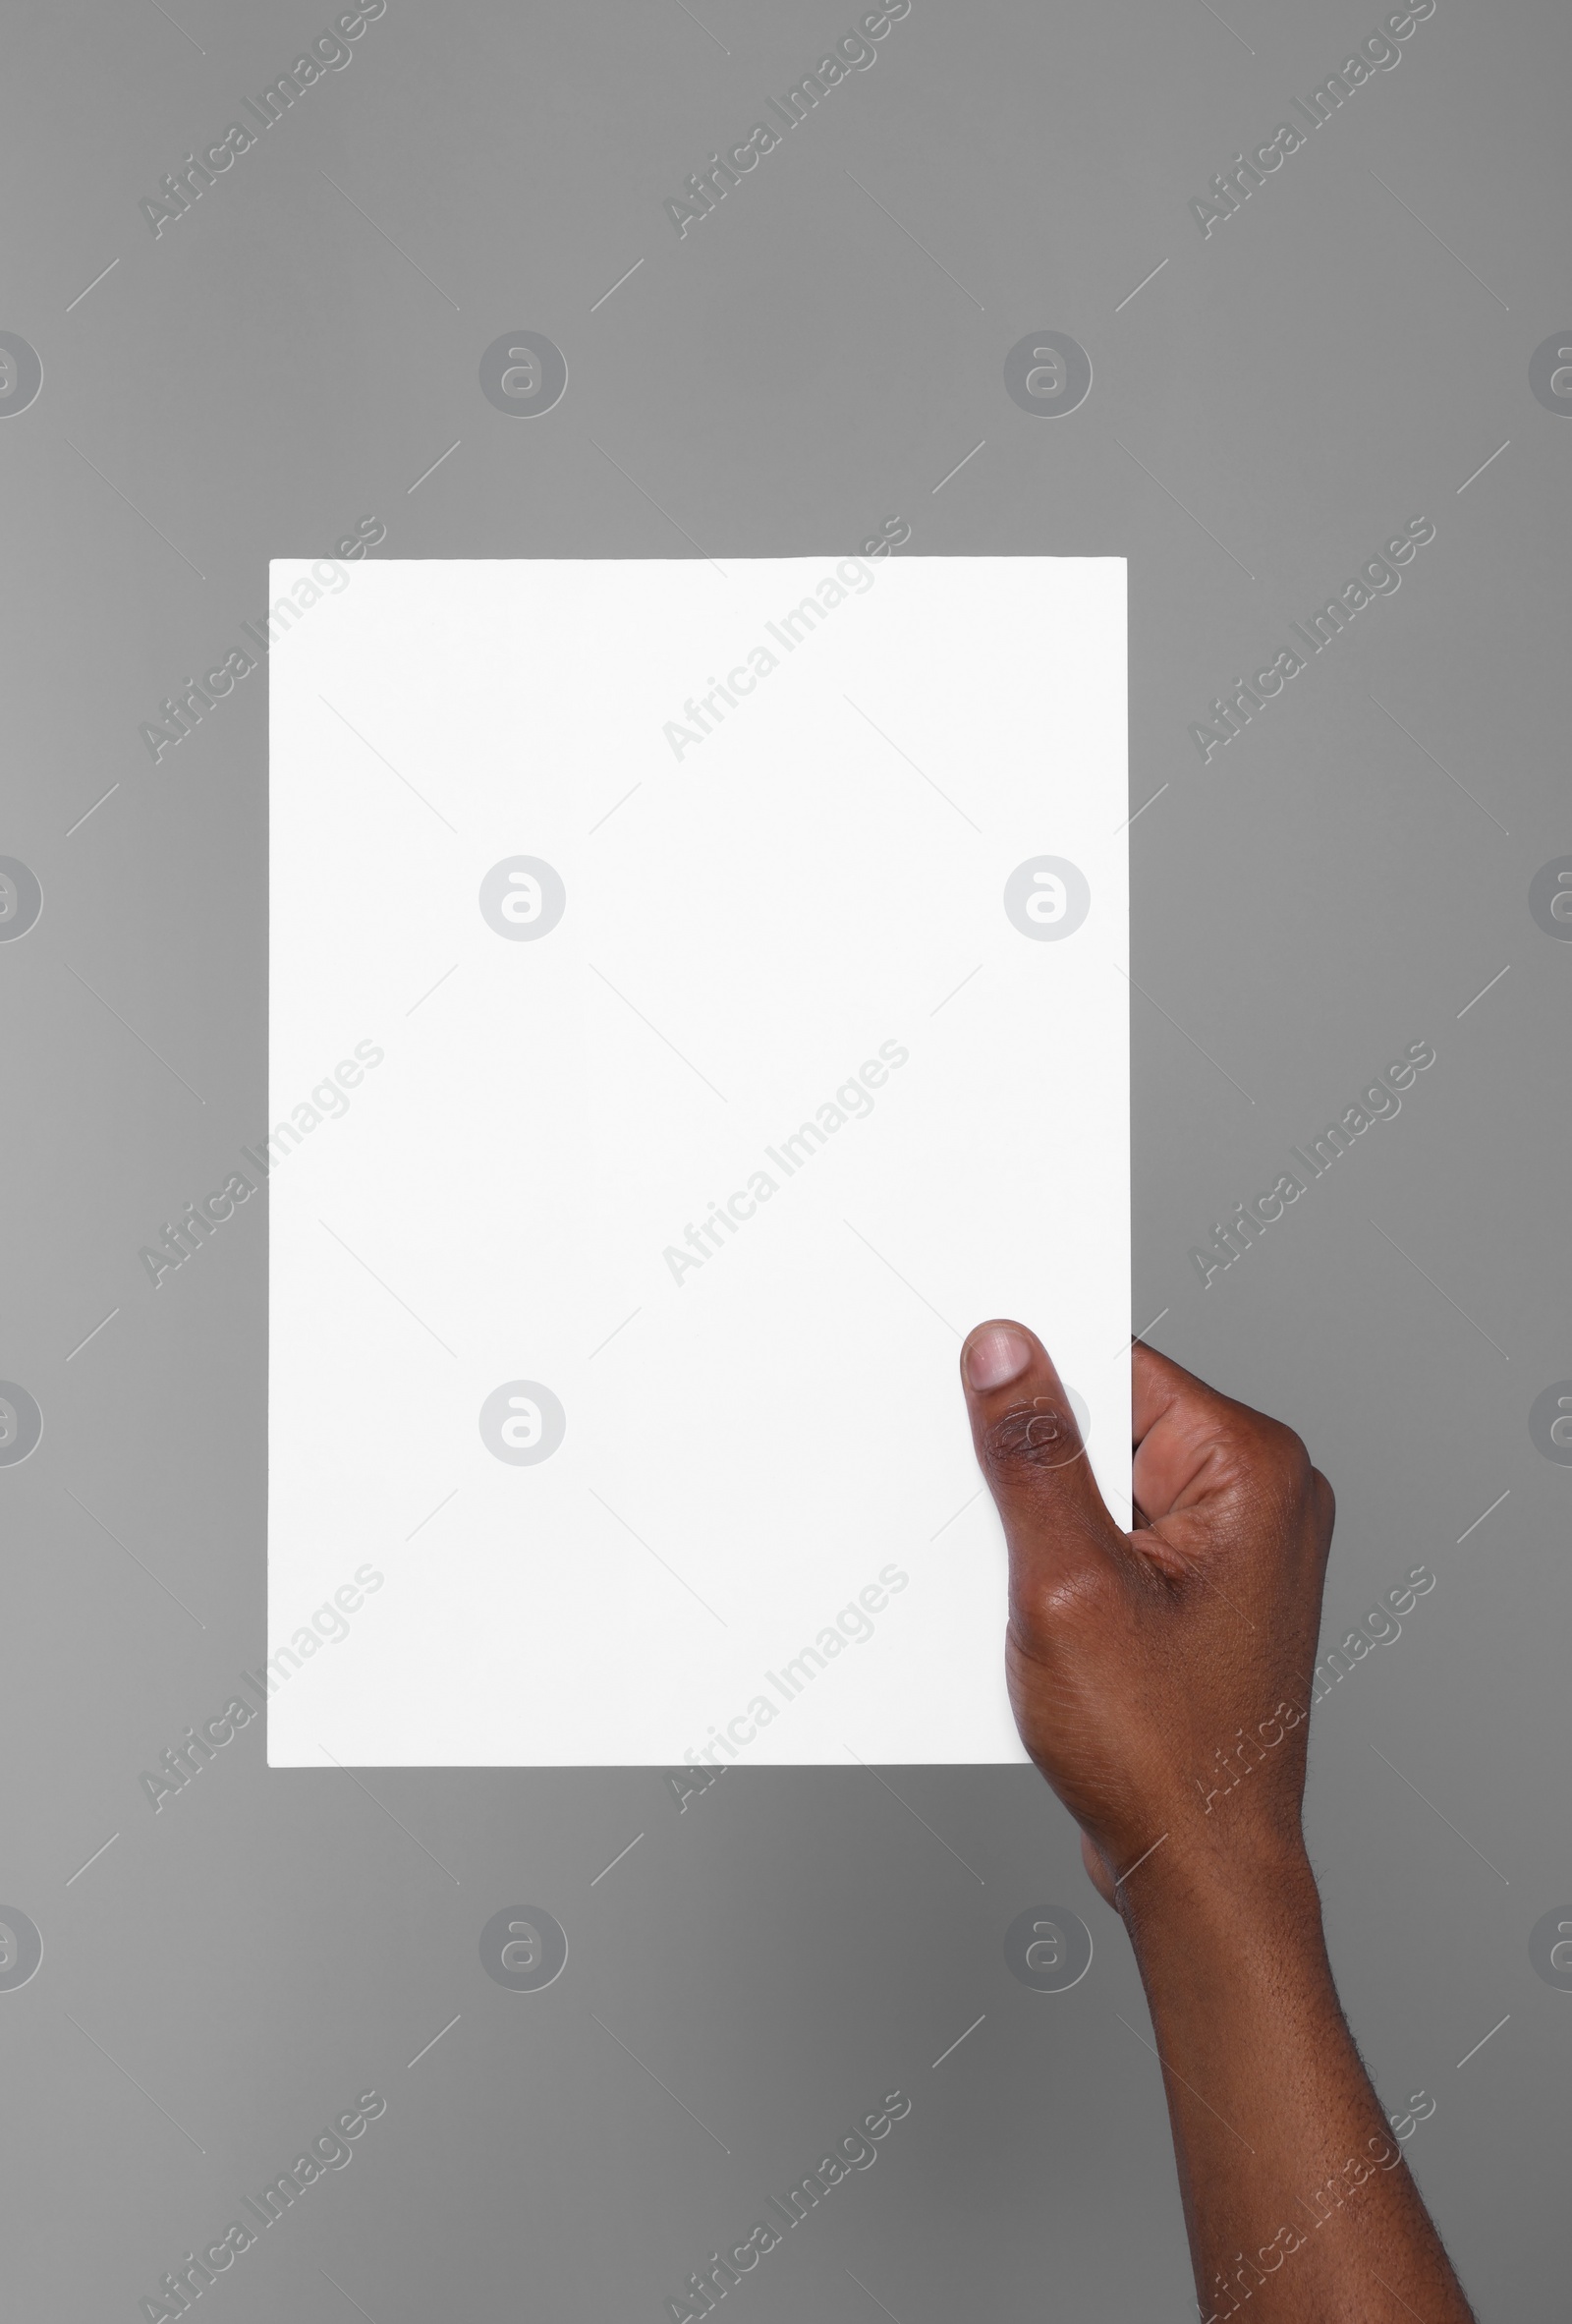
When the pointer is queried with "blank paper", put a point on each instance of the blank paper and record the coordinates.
(696, 999)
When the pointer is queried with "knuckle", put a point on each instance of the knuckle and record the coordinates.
(1075, 1644)
(1293, 1462)
(1048, 1610)
(1087, 1593)
(1272, 1449)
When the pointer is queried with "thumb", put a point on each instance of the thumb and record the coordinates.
(1029, 1448)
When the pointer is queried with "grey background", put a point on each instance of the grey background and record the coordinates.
(1343, 353)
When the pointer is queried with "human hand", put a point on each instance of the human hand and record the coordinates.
(1161, 1678)
(1161, 1681)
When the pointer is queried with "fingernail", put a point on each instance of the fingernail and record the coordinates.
(996, 1357)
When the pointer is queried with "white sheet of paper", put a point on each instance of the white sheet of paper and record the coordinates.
(726, 1158)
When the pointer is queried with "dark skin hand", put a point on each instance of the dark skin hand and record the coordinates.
(1161, 1681)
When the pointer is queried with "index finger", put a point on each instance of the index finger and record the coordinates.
(1184, 1433)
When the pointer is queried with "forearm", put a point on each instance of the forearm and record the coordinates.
(1295, 2191)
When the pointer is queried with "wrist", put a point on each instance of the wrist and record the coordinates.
(1248, 1918)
